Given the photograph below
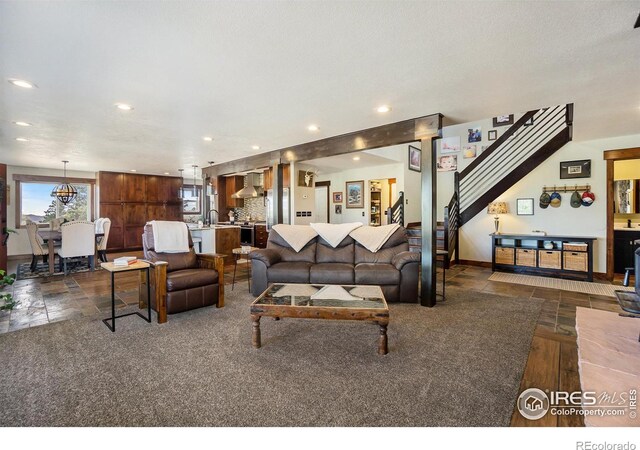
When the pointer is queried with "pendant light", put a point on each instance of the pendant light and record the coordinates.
(195, 190)
(64, 192)
(181, 192)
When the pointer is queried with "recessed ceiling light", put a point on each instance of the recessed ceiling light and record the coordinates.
(313, 128)
(22, 124)
(22, 139)
(22, 83)
(383, 108)
(255, 147)
(166, 173)
(133, 170)
(356, 158)
(124, 106)
(208, 138)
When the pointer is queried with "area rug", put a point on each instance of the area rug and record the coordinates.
(557, 283)
(457, 364)
(42, 270)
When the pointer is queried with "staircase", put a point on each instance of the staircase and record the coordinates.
(536, 136)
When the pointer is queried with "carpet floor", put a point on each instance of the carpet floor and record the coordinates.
(458, 364)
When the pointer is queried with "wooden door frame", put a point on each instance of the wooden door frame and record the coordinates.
(328, 186)
(610, 156)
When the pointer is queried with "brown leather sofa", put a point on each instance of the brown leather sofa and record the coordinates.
(183, 281)
(394, 268)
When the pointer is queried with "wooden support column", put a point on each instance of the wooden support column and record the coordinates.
(429, 222)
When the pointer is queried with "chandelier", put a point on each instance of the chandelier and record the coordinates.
(64, 192)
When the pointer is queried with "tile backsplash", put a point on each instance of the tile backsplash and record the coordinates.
(252, 206)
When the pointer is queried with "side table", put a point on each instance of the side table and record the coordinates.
(242, 253)
(112, 269)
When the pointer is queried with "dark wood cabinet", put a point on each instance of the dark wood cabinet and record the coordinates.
(131, 200)
(261, 236)
(233, 185)
(623, 249)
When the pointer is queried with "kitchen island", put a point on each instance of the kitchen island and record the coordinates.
(220, 239)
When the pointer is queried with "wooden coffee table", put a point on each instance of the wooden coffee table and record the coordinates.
(317, 301)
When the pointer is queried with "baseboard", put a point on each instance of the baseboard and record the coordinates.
(470, 262)
(15, 257)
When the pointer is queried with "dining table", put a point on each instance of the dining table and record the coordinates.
(51, 237)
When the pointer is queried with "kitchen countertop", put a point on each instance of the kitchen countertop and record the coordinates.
(634, 228)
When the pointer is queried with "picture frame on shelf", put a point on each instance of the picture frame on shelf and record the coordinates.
(501, 121)
(524, 206)
(492, 135)
(415, 159)
(575, 169)
(354, 194)
(337, 197)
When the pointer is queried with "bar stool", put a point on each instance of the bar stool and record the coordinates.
(242, 253)
(629, 270)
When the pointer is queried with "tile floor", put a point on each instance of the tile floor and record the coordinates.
(51, 299)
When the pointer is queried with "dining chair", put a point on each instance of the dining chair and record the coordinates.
(38, 247)
(103, 225)
(78, 240)
(55, 224)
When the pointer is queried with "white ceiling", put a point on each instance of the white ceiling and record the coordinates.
(338, 163)
(259, 72)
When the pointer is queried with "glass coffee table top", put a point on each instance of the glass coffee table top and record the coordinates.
(327, 296)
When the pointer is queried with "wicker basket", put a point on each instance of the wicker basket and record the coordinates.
(549, 259)
(526, 257)
(577, 261)
(574, 247)
(504, 255)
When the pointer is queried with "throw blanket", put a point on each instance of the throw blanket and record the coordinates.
(170, 237)
(296, 236)
(372, 238)
(334, 233)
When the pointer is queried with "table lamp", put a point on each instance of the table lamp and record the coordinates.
(496, 208)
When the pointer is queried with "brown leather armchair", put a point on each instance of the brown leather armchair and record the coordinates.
(183, 281)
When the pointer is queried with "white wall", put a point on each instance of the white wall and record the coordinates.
(303, 198)
(339, 179)
(19, 243)
(445, 179)
(475, 243)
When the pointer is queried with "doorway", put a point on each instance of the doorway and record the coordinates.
(322, 202)
(614, 231)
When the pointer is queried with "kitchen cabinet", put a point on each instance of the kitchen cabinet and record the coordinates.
(131, 200)
(233, 185)
(261, 236)
(267, 179)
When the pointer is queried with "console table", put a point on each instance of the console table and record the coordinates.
(571, 256)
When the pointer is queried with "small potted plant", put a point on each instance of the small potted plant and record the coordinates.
(7, 303)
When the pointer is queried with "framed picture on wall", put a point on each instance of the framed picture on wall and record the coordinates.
(447, 163)
(503, 120)
(474, 134)
(337, 197)
(338, 209)
(450, 145)
(355, 194)
(575, 169)
(524, 206)
(415, 159)
(306, 178)
(493, 135)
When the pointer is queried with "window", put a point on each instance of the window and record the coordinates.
(37, 205)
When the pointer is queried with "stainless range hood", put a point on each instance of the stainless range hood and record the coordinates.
(252, 189)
